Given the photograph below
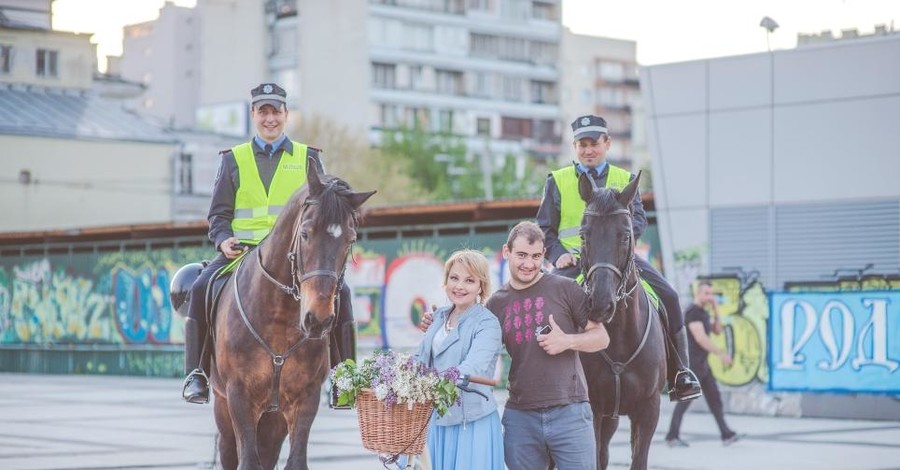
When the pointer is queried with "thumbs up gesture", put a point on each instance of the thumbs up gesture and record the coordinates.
(427, 319)
(556, 340)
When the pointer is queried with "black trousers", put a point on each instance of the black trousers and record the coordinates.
(713, 399)
(666, 293)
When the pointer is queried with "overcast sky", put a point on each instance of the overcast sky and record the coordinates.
(665, 30)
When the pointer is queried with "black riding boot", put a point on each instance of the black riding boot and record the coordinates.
(196, 384)
(343, 339)
(684, 384)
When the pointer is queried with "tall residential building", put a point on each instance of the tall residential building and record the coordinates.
(601, 78)
(483, 69)
(163, 55)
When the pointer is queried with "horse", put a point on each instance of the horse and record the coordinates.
(626, 378)
(271, 353)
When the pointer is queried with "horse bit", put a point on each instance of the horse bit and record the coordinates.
(296, 263)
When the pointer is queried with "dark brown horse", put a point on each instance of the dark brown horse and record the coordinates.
(627, 377)
(271, 338)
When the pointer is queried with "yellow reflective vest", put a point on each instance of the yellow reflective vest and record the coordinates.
(571, 206)
(256, 211)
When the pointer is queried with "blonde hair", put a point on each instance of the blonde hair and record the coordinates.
(476, 263)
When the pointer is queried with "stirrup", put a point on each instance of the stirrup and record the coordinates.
(692, 379)
(187, 380)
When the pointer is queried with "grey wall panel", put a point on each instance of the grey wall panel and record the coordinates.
(682, 90)
(865, 67)
(837, 149)
(740, 164)
(682, 159)
(740, 82)
(741, 237)
(813, 240)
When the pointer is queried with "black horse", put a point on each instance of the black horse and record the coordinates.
(627, 377)
(271, 349)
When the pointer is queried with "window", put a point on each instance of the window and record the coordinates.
(417, 118)
(515, 128)
(545, 131)
(415, 77)
(46, 63)
(543, 11)
(483, 127)
(611, 71)
(5, 59)
(384, 75)
(543, 92)
(185, 178)
(512, 88)
(389, 116)
(445, 121)
(449, 82)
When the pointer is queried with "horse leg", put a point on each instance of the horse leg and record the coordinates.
(270, 436)
(244, 418)
(227, 448)
(604, 428)
(643, 425)
(300, 423)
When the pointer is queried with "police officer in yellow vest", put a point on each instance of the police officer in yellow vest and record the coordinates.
(560, 216)
(254, 182)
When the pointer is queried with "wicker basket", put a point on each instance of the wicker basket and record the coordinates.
(395, 429)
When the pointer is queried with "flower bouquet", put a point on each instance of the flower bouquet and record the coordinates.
(394, 395)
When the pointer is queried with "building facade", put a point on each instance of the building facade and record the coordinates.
(600, 76)
(777, 172)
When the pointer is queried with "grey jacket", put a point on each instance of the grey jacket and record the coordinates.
(473, 347)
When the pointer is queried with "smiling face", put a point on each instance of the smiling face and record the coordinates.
(592, 153)
(524, 261)
(462, 287)
(269, 121)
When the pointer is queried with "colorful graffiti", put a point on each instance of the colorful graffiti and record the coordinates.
(744, 306)
(123, 297)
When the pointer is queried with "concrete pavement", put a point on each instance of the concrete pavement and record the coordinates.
(50, 422)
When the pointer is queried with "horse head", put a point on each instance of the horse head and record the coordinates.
(607, 256)
(323, 234)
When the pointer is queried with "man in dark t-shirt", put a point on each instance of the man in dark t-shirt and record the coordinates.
(699, 325)
(544, 327)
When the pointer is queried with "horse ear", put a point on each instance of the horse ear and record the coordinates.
(627, 194)
(585, 187)
(313, 177)
(357, 199)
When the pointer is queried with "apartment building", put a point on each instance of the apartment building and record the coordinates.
(601, 77)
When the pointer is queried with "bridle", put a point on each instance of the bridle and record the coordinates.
(294, 291)
(623, 292)
(296, 262)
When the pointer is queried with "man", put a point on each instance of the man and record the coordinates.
(560, 216)
(544, 327)
(255, 180)
(698, 323)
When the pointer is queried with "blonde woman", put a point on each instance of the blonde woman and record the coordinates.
(466, 335)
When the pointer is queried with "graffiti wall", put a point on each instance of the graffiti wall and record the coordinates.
(837, 341)
(123, 297)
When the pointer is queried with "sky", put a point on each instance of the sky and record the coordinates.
(665, 30)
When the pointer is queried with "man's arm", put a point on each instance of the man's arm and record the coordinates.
(221, 208)
(639, 222)
(594, 338)
(702, 340)
(548, 219)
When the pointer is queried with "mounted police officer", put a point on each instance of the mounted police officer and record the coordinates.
(255, 180)
(560, 217)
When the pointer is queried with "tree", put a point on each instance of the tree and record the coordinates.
(352, 158)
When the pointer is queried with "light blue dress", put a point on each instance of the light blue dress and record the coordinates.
(470, 435)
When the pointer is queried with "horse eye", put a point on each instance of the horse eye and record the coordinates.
(304, 235)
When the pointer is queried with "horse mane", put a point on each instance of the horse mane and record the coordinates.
(604, 201)
(334, 203)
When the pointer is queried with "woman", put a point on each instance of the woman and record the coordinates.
(465, 335)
